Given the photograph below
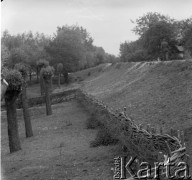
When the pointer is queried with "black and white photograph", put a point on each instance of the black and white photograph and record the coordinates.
(96, 90)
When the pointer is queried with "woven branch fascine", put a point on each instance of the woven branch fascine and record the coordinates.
(144, 145)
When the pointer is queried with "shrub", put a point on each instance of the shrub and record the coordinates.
(103, 138)
(100, 69)
(79, 78)
(89, 74)
(118, 66)
(92, 122)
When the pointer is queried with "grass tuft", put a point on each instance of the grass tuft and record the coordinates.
(92, 122)
(103, 138)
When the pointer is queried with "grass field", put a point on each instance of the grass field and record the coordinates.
(154, 93)
(60, 149)
(157, 93)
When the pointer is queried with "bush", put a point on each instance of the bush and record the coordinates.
(100, 69)
(92, 122)
(79, 78)
(103, 138)
(89, 74)
(118, 66)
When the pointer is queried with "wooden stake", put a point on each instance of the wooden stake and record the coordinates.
(161, 130)
(172, 132)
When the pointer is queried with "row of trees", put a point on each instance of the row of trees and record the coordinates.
(153, 29)
(72, 46)
(16, 79)
(17, 83)
(69, 49)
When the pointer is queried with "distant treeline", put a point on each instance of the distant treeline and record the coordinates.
(70, 45)
(153, 29)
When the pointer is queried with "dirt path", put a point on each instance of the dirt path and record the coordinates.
(59, 149)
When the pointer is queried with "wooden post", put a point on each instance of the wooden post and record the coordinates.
(179, 134)
(168, 149)
(137, 165)
(160, 157)
(171, 132)
(125, 109)
(153, 130)
(161, 130)
(148, 128)
(140, 126)
(182, 138)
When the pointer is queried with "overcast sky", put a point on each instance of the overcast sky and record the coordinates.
(107, 21)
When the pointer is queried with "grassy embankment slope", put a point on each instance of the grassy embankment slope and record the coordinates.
(157, 93)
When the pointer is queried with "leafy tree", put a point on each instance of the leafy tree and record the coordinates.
(15, 80)
(133, 51)
(17, 55)
(100, 55)
(69, 46)
(147, 20)
(46, 74)
(153, 29)
(111, 58)
(4, 55)
(183, 26)
(26, 47)
(10, 41)
(23, 69)
(34, 47)
(153, 37)
(187, 38)
(59, 70)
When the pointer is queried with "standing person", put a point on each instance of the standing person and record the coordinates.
(165, 49)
